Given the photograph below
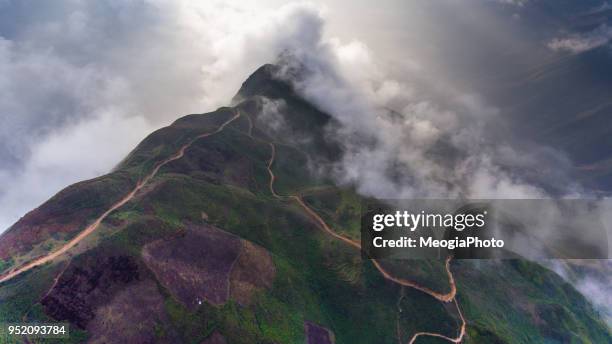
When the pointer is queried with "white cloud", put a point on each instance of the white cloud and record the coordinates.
(598, 291)
(71, 72)
(441, 144)
(577, 43)
(151, 61)
(81, 84)
(438, 143)
(271, 116)
(519, 3)
(67, 155)
(591, 278)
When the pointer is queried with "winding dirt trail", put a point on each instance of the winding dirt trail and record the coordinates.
(93, 226)
(57, 278)
(447, 297)
(443, 297)
(457, 339)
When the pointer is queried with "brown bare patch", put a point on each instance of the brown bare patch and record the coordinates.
(130, 317)
(253, 271)
(195, 266)
(88, 284)
(316, 334)
(205, 263)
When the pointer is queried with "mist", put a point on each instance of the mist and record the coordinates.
(70, 65)
(81, 83)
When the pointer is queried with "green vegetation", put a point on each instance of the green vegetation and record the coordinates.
(6, 264)
(223, 180)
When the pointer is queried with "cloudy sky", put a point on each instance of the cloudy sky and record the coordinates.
(82, 82)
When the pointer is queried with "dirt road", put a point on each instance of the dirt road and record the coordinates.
(443, 297)
(92, 227)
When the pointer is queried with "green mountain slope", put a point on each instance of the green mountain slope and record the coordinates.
(205, 252)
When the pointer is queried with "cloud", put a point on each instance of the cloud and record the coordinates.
(577, 43)
(66, 70)
(598, 291)
(82, 82)
(101, 75)
(519, 3)
(591, 278)
(424, 139)
(271, 116)
(437, 141)
(66, 155)
(75, 62)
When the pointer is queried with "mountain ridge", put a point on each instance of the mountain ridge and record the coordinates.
(130, 268)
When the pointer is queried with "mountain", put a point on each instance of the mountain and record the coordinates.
(215, 230)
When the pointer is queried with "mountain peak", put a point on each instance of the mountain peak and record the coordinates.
(220, 217)
(266, 82)
(274, 81)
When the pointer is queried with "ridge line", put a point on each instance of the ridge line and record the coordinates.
(125, 199)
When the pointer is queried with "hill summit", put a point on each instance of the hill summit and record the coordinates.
(216, 229)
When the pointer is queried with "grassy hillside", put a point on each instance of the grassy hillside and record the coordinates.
(205, 251)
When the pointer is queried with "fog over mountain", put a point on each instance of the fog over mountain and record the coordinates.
(83, 82)
(96, 82)
(500, 99)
